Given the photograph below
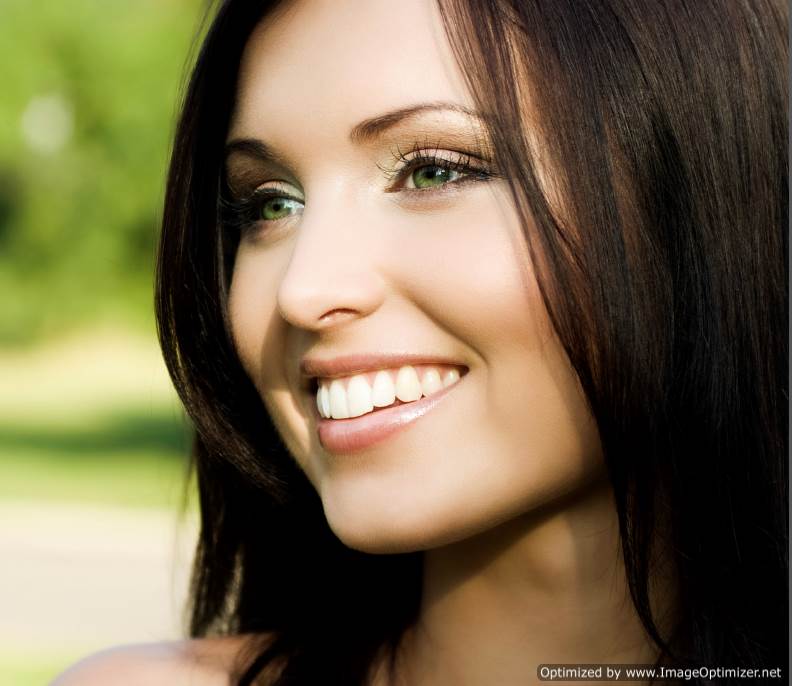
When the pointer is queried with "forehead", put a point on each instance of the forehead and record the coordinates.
(340, 61)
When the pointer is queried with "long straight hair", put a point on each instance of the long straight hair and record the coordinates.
(664, 271)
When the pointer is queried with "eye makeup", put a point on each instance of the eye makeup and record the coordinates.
(426, 168)
(257, 187)
(249, 161)
(424, 172)
(267, 204)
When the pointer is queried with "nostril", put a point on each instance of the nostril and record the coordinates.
(335, 315)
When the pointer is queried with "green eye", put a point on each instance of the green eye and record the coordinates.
(433, 175)
(279, 207)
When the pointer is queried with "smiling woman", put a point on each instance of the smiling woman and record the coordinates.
(476, 307)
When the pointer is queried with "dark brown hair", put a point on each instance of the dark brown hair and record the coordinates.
(665, 276)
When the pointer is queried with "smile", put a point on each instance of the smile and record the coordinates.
(358, 411)
(353, 396)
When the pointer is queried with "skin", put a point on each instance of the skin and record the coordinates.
(503, 484)
(368, 269)
(196, 662)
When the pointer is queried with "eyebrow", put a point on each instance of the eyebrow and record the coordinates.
(253, 147)
(374, 127)
(365, 131)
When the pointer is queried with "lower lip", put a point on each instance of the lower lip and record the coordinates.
(350, 435)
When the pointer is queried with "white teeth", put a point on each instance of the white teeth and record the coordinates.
(353, 396)
(324, 398)
(408, 387)
(319, 404)
(383, 392)
(338, 400)
(358, 396)
(431, 382)
(451, 376)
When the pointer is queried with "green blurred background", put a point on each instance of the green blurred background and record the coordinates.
(93, 551)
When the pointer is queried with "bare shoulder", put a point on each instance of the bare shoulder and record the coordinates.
(196, 662)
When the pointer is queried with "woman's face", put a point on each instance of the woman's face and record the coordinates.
(381, 229)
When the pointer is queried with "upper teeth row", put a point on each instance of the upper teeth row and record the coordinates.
(356, 395)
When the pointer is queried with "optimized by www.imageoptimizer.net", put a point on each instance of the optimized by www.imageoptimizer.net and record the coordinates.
(625, 672)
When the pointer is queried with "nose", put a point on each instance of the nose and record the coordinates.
(331, 277)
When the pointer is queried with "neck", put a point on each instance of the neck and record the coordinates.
(546, 587)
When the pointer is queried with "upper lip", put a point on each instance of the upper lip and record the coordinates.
(347, 365)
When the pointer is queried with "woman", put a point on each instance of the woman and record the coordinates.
(477, 309)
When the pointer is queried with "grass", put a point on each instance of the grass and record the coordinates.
(134, 458)
(93, 420)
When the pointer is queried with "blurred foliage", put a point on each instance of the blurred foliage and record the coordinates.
(133, 459)
(91, 418)
(87, 110)
(32, 670)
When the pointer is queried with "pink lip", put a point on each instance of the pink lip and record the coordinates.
(358, 433)
(354, 364)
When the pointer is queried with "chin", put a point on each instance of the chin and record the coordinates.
(388, 527)
(379, 534)
(377, 521)
(377, 529)
(378, 542)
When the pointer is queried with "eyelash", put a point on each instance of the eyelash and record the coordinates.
(419, 157)
(243, 213)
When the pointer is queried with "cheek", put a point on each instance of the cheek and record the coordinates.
(248, 322)
(475, 277)
(525, 436)
(253, 312)
(476, 281)
(536, 410)
(258, 330)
